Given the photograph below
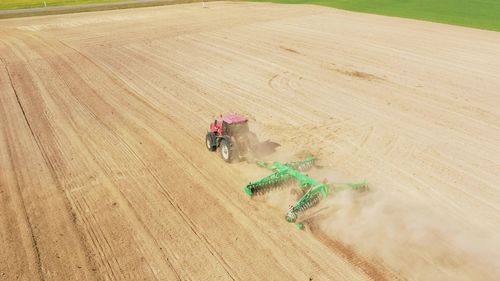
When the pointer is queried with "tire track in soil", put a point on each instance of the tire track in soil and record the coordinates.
(25, 213)
(48, 164)
(375, 271)
(81, 215)
(128, 203)
(169, 197)
(167, 194)
(56, 166)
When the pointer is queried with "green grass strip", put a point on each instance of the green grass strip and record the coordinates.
(484, 14)
(22, 4)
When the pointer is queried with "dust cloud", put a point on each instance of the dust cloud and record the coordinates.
(409, 237)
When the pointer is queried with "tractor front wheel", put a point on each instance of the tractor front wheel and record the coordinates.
(210, 141)
(226, 151)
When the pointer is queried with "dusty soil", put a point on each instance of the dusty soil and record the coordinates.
(105, 176)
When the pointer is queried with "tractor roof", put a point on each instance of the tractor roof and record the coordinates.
(233, 118)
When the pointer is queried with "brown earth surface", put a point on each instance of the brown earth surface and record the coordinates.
(105, 176)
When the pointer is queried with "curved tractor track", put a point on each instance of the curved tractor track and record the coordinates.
(105, 176)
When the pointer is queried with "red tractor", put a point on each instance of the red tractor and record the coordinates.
(231, 135)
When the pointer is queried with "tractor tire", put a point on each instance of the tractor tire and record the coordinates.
(210, 142)
(226, 150)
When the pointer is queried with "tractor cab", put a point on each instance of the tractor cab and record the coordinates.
(235, 129)
(230, 125)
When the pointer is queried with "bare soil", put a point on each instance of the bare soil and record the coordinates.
(104, 174)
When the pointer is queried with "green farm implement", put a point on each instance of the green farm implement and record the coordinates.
(286, 173)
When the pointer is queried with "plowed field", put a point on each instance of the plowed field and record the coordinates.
(104, 174)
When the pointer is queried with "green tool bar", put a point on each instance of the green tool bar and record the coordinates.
(313, 190)
(282, 173)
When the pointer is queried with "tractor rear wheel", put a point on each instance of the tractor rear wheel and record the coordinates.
(226, 150)
(210, 141)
